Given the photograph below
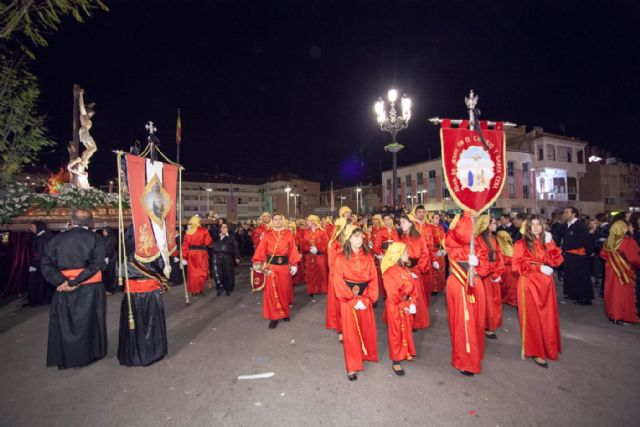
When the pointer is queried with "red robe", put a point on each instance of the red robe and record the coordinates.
(401, 292)
(493, 297)
(358, 326)
(299, 277)
(467, 336)
(332, 318)
(197, 259)
(383, 235)
(428, 272)
(316, 267)
(258, 234)
(509, 284)
(438, 277)
(417, 249)
(537, 303)
(620, 290)
(278, 292)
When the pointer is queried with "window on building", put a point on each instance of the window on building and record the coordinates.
(399, 183)
(432, 174)
(564, 154)
(407, 181)
(419, 178)
(512, 190)
(525, 167)
(580, 155)
(540, 153)
(572, 188)
(551, 152)
(445, 192)
(389, 184)
(511, 168)
(432, 184)
(219, 200)
(559, 185)
(525, 192)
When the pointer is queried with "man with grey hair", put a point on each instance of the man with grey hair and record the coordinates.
(73, 263)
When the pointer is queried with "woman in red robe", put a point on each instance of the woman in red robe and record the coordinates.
(622, 256)
(385, 236)
(533, 258)
(332, 319)
(509, 283)
(418, 216)
(439, 277)
(418, 264)
(314, 243)
(399, 307)
(195, 250)
(465, 298)
(278, 256)
(356, 285)
(485, 227)
(298, 232)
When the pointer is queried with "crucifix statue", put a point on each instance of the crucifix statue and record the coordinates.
(79, 163)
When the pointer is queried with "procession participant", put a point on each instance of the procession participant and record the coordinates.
(376, 224)
(418, 264)
(485, 227)
(533, 258)
(344, 212)
(422, 226)
(72, 262)
(195, 251)
(577, 245)
(356, 286)
(385, 236)
(332, 318)
(400, 305)
(327, 224)
(622, 256)
(297, 227)
(146, 342)
(438, 275)
(465, 297)
(278, 256)
(38, 290)
(111, 252)
(226, 255)
(261, 229)
(314, 243)
(509, 283)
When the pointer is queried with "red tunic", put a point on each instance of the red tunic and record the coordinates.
(509, 284)
(438, 279)
(332, 320)
(299, 277)
(258, 234)
(428, 272)
(537, 303)
(316, 266)
(197, 259)
(401, 292)
(620, 290)
(278, 292)
(493, 298)
(388, 236)
(358, 326)
(418, 254)
(467, 332)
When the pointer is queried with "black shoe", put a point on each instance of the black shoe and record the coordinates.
(491, 336)
(219, 292)
(544, 365)
(286, 319)
(228, 293)
(398, 372)
(273, 324)
(352, 377)
(467, 373)
(375, 305)
(414, 330)
(311, 295)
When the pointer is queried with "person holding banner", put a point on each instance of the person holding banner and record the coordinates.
(465, 296)
(356, 286)
(534, 257)
(400, 305)
(277, 256)
(73, 262)
(314, 243)
(418, 264)
(486, 242)
(195, 251)
(333, 320)
(439, 276)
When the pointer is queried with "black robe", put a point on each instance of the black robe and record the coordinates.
(147, 342)
(225, 251)
(38, 290)
(77, 323)
(577, 268)
(111, 251)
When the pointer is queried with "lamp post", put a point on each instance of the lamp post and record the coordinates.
(358, 192)
(209, 190)
(287, 190)
(393, 123)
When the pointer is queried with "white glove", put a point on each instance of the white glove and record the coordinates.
(176, 259)
(261, 236)
(436, 265)
(442, 252)
(545, 269)
(256, 267)
(412, 309)
(547, 237)
(497, 280)
(184, 262)
(293, 270)
(106, 260)
(32, 269)
(414, 275)
(379, 257)
(360, 305)
(473, 260)
(370, 244)
(313, 250)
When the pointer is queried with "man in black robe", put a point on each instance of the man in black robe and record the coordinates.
(226, 255)
(110, 253)
(143, 332)
(73, 262)
(38, 290)
(577, 246)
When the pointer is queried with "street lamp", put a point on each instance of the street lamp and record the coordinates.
(358, 192)
(287, 190)
(209, 190)
(393, 123)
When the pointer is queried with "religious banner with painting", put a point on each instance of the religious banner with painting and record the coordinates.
(152, 193)
(474, 169)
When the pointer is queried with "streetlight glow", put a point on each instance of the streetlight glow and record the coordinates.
(392, 95)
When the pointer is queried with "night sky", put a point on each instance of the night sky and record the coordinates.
(290, 85)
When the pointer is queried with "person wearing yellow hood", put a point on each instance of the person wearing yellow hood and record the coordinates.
(400, 305)
(356, 285)
(334, 248)
(534, 257)
(195, 250)
(261, 229)
(344, 212)
(622, 257)
(314, 242)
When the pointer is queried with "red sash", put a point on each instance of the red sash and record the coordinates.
(74, 272)
(139, 286)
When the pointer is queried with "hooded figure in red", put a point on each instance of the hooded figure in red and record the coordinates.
(418, 265)
(195, 250)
